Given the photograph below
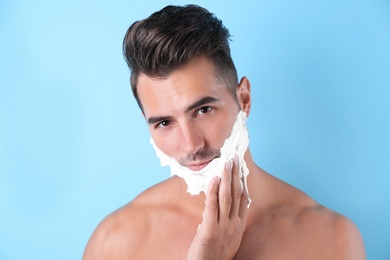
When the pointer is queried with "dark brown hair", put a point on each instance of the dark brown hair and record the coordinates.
(171, 37)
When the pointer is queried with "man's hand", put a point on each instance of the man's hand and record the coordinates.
(224, 217)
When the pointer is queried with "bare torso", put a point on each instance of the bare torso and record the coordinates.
(283, 223)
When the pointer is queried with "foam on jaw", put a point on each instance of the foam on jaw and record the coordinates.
(198, 181)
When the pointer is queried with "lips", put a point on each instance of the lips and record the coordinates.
(197, 166)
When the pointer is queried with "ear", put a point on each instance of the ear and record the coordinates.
(244, 95)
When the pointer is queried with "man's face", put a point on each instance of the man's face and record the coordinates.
(189, 113)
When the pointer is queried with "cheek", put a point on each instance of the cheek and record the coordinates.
(217, 135)
(167, 144)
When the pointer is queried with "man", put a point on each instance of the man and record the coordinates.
(185, 83)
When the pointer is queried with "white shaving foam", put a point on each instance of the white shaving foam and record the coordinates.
(198, 181)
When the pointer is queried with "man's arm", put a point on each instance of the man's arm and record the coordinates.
(350, 241)
(116, 237)
(102, 241)
(98, 243)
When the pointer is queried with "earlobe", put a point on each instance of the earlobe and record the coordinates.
(244, 95)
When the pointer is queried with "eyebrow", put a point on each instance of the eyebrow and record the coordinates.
(156, 119)
(198, 103)
(201, 102)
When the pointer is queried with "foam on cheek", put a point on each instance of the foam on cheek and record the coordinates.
(198, 181)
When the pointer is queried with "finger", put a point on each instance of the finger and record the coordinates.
(210, 213)
(244, 201)
(225, 196)
(236, 188)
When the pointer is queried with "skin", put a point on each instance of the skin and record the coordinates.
(162, 222)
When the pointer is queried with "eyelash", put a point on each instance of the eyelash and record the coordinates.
(168, 122)
(208, 109)
(161, 124)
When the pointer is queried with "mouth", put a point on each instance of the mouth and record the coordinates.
(198, 166)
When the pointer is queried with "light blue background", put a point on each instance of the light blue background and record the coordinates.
(74, 147)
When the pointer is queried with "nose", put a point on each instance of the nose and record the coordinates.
(192, 139)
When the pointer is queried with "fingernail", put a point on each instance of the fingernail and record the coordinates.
(229, 164)
(216, 180)
(235, 159)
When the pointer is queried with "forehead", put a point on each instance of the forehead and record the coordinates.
(193, 81)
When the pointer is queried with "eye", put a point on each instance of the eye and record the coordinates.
(204, 110)
(163, 124)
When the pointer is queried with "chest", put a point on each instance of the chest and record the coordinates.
(169, 236)
(284, 240)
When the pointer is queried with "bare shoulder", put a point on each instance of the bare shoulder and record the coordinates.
(122, 233)
(322, 231)
(117, 234)
(330, 232)
(302, 227)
